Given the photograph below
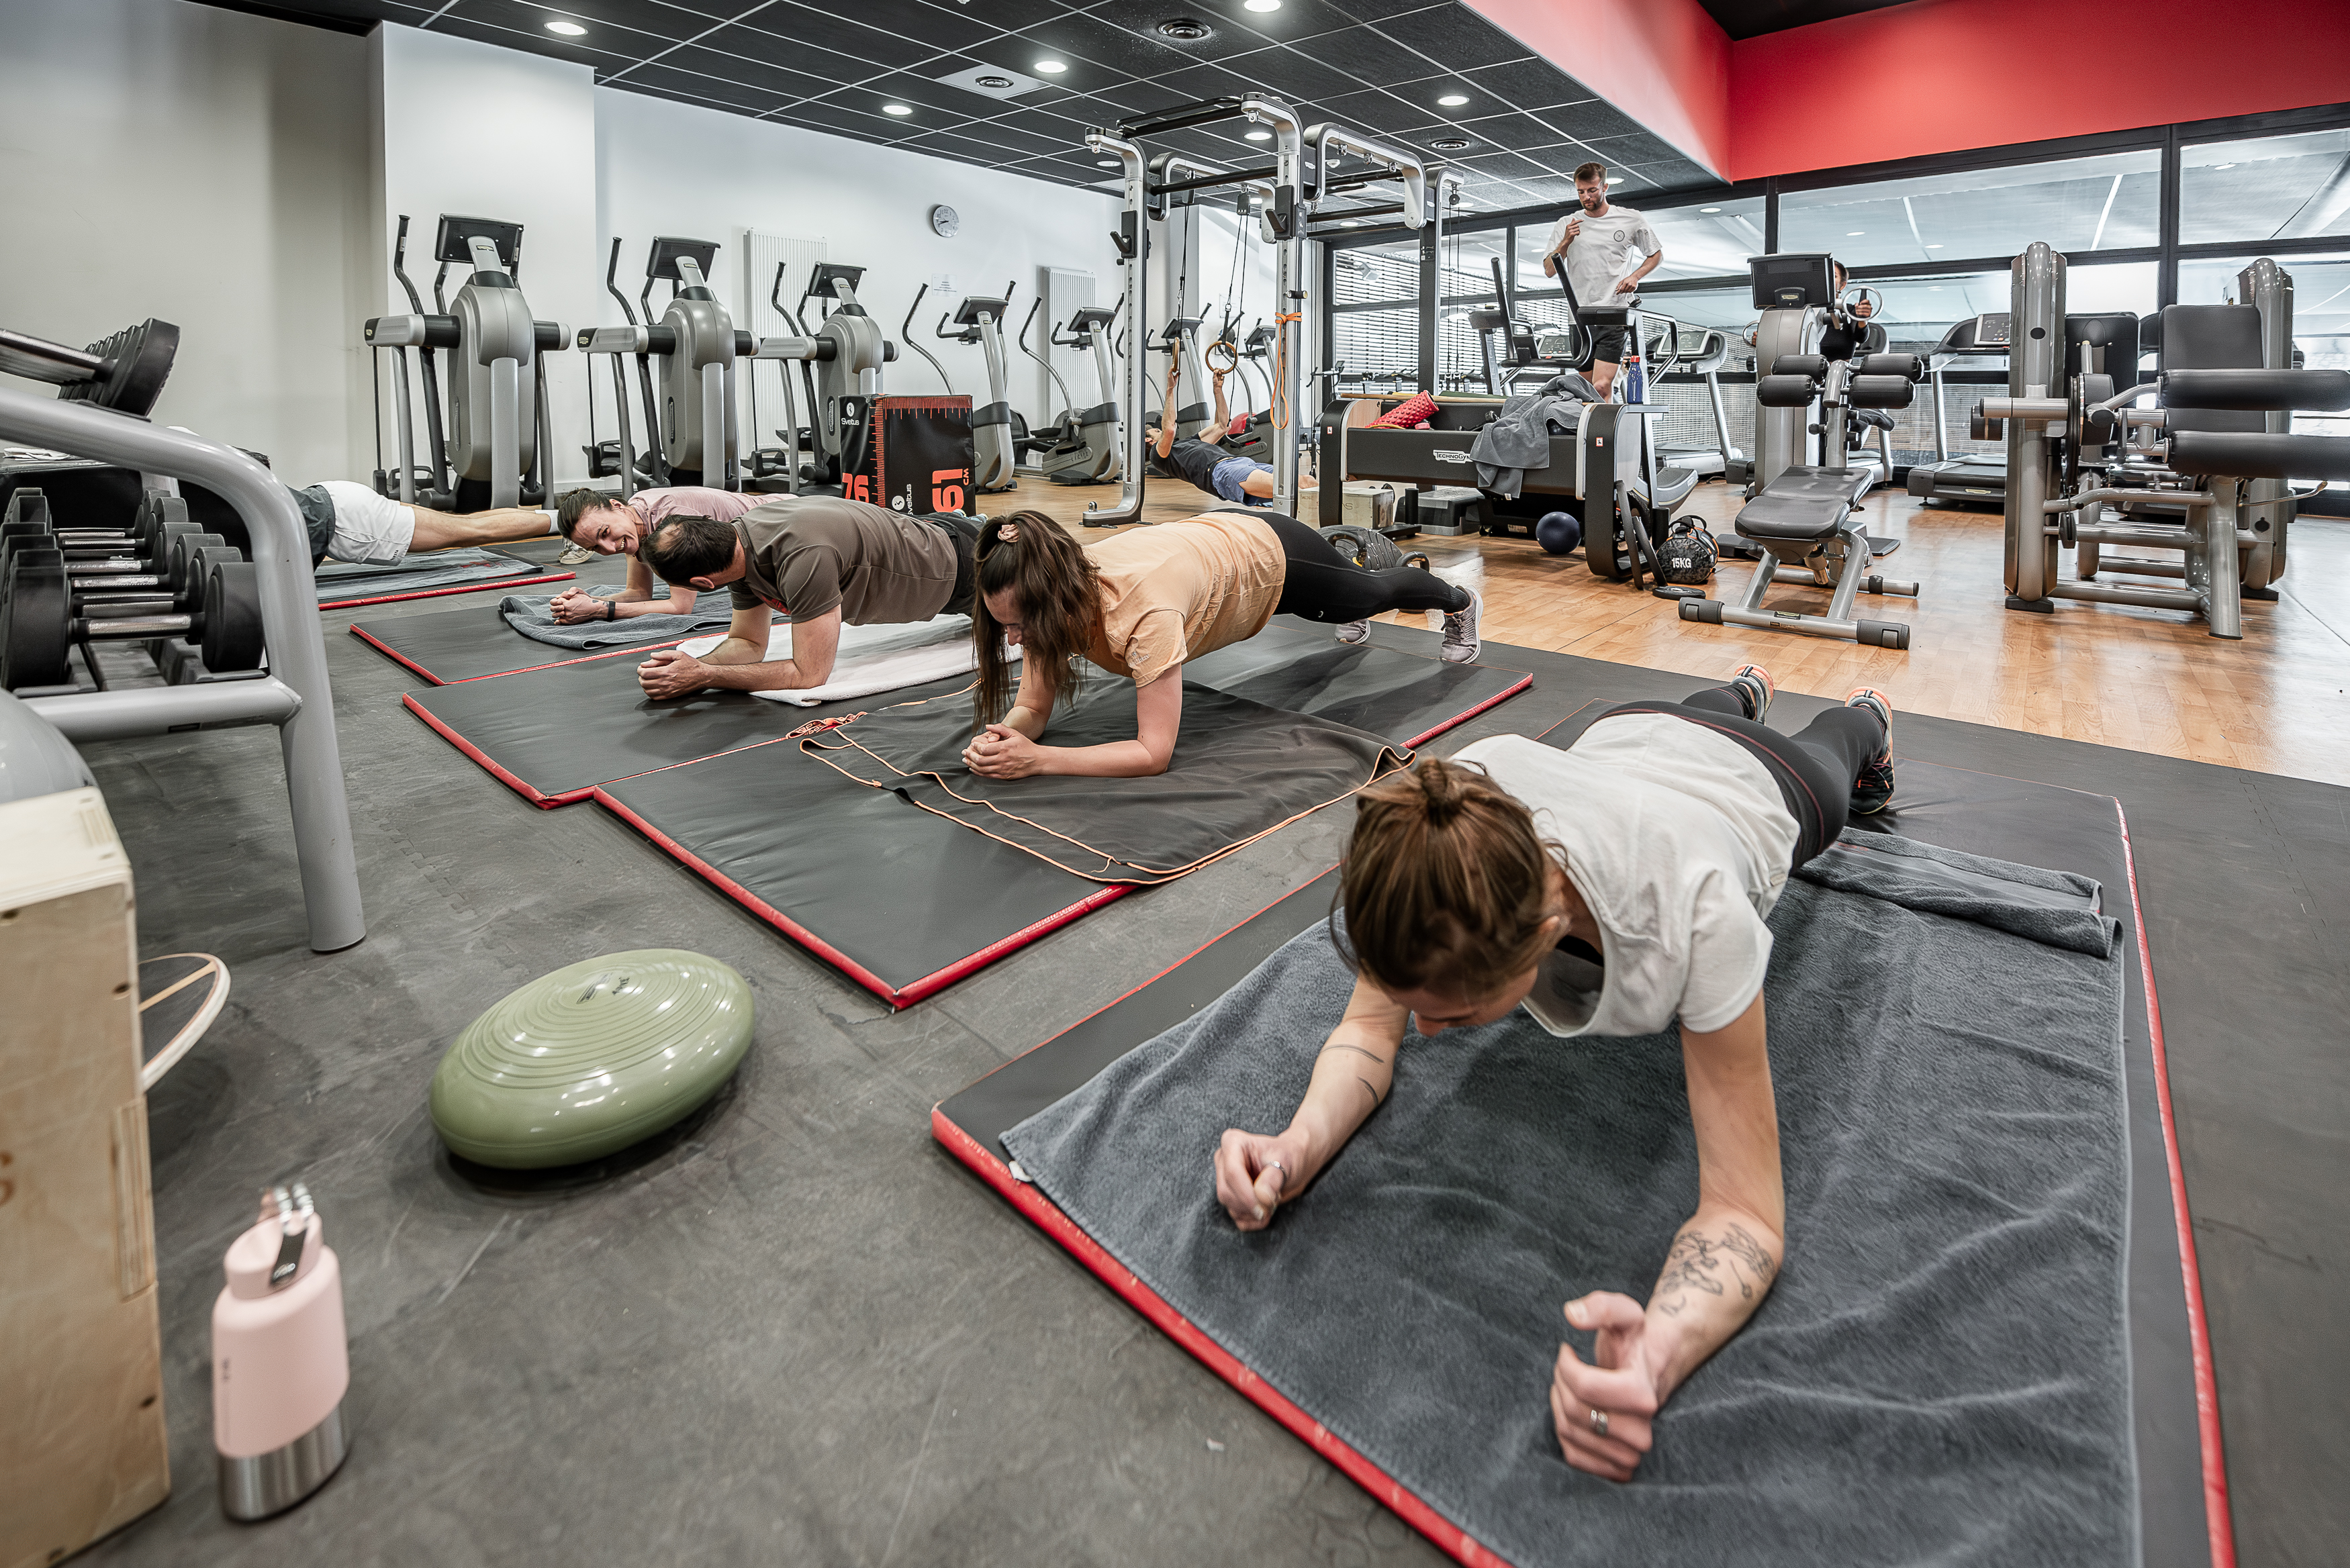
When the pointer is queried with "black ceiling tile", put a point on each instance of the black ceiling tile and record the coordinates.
(1639, 147)
(1131, 97)
(1516, 132)
(1292, 74)
(1379, 10)
(758, 73)
(733, 95)
(1235, 30)
(1020, 138)
(1062, 124)
(1369, 58)
(938, 28)
(1085, 38)
(1501, 165)
(826, 114)
(879, 48)
(1527, 84)
(1079, 109)
(954, 144)
(1207, 80)
(670, 24)
(1009, 15)
(547, 44)
(1588, 121)
(1454, 36)
(936, 105)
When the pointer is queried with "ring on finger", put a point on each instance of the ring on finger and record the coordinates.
(1599, 1420)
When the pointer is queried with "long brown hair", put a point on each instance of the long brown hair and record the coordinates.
(1054, 583)
(1445, 882)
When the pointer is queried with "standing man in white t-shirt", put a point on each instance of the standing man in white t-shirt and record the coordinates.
(1598, 243)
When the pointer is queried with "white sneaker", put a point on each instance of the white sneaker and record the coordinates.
(1462, 644)
(1354, 632)
(579, 554)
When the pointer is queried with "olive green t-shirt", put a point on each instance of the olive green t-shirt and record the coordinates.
(805, 555)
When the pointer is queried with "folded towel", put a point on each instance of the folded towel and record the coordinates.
(873, 659)
(527, 614)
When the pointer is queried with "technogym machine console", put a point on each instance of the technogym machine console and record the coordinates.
(685, 368)
(493, 449)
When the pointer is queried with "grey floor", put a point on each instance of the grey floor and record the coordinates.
(795, 1330)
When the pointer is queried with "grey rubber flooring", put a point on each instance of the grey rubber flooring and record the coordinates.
(796, 1331)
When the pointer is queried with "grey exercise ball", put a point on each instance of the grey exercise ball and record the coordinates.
(34, 758)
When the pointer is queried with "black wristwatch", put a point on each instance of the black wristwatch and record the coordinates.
(611, 609)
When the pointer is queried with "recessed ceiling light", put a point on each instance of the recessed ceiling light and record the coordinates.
(998, 83)
(1937, 245)
(1257, 135)
(1933, 289)
(1052, 67)
(1453, 99)
(573, 31)
(1853, 233)
(1262, 4)
(1709, 209)
(1184, 29)
(2223, 166)
(897, 108)
(1450, 144)
(1105, 162)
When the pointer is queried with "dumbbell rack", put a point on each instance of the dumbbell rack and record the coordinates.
(293, 695)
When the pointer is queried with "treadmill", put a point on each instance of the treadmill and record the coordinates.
(1705, 362)
(1976, 478)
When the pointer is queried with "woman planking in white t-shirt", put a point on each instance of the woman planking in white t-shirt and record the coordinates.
(1609, 888)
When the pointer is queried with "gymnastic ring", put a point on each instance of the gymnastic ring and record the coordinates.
(1232, 357)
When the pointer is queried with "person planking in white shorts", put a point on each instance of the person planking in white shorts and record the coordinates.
(350, 522)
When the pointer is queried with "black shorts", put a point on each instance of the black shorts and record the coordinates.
(1607, 345)
(964, 532)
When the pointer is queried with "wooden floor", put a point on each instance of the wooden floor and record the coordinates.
(2147, 680)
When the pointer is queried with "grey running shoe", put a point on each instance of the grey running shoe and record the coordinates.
(1462, 644)
(1354, 632)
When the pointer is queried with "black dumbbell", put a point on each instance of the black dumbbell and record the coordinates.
(40, 623)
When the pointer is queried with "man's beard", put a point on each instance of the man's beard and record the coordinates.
(1592, 204)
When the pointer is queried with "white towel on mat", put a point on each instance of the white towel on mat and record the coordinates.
(872, 659)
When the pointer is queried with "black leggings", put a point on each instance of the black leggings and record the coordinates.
(1320, 584)
(1815, 769)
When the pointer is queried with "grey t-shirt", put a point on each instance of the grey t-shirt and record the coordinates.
(1605, 249)
(807, 555)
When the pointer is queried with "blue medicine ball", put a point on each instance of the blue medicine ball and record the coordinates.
(1558, 533)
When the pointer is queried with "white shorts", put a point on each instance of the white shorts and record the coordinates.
(370, 531)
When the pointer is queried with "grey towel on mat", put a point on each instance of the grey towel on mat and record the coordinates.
(339, 580)
(527, 614)
(1941, 1372)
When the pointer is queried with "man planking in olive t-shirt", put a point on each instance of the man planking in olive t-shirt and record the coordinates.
(821, 560)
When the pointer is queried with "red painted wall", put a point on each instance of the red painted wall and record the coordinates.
(1940, 76)
(1665, 63)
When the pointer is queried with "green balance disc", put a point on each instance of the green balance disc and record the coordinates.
(591, 1058)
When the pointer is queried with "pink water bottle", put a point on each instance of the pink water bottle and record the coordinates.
(281, 1364)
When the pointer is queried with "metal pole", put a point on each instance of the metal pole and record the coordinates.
(1288, 291)
(289, 616)
(1134, 394)
(2036, 322)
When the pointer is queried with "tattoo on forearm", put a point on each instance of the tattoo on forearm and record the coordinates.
(1712, 1265)
(1358, 1050)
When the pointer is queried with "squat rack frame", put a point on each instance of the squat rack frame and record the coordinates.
(1296, 188)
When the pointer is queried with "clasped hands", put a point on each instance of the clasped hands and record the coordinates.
(1603, 1410)
(574, 606)
(1001, 752)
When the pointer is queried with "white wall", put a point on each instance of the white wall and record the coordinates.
(166, 158)
(479, 132)
(666, 167)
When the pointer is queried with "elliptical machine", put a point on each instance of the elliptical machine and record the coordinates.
(1094, 457)
(993, 430)
(845, 354)
(493, 450)
(690, 397)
